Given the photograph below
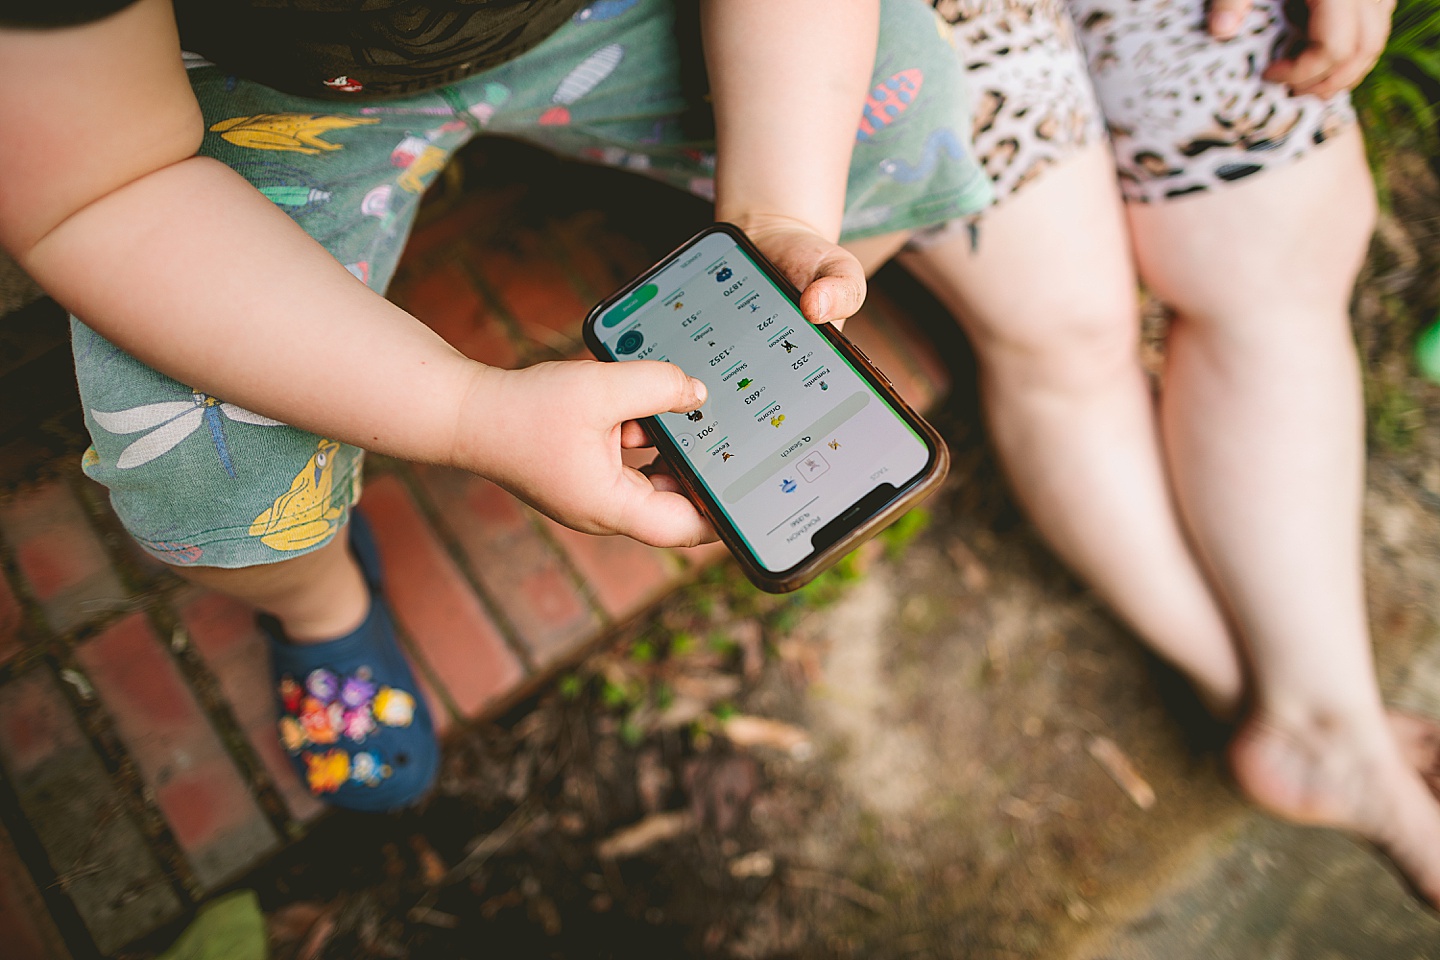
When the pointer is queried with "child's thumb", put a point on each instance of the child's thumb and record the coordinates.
(643, 388)
(837, 290)
(1227, 17)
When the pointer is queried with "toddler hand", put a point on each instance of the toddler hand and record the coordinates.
(551, 434)
(830, 279)
(1344, 40)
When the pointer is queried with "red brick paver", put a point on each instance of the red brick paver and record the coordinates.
(626, 575)
(435, 605)
(25, 928)
(479, 214)
(197, 786)
(95, 850)
(520, 571)
(60, 556)
(602, 261)
(224, 632)
(537, 292)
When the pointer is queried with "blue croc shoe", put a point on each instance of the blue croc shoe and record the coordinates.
(352, 718)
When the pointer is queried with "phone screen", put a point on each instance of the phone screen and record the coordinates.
(791, 435)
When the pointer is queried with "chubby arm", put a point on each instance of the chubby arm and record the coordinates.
(789, 78)
(183, 264)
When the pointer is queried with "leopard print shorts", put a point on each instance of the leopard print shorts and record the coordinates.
(1185, 113)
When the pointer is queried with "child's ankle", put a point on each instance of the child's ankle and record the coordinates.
(324, 625)
(337, 613)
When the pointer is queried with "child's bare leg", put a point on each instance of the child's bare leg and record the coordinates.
(318, 596)
(1264, 428)
(1048, 301)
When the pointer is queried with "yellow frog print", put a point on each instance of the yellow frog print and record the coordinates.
(304, 515)
(297, 132)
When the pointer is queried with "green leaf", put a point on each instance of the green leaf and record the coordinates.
(1428, 61)
(899, 534)
(230, 928)
(631, 733)
(1417, 103)
(721, 644)
(613, 695)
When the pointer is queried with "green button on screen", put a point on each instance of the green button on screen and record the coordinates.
(630, 304)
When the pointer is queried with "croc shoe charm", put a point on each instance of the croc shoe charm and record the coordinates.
(349, 717)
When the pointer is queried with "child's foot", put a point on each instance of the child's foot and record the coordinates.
(1330, 771)
(1419, 741)
(351, 716)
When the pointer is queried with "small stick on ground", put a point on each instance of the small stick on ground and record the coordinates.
(638, 837)
(747, 731)
(1108, 754)
(434, 918)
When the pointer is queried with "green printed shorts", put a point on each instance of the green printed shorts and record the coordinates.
(197, 480)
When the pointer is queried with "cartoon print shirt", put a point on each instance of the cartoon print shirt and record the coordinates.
(339, 49)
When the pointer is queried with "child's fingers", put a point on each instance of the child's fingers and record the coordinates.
(658, 468)
(633, 436)
(643, 388)
(664, 482)
(1227, 17)
(830, 280)
(659, 517)
(1334, 35)
(1372, 33)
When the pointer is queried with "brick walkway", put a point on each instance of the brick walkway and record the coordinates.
(139, 770)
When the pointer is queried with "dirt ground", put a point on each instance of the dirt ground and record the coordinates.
(922, 755)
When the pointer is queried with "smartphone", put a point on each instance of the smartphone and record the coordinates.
(802, 449)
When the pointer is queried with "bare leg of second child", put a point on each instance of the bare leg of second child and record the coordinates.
(1048, 301)
(1264, 427)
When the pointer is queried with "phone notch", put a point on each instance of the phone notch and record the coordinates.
(869, 505)
(802, 449)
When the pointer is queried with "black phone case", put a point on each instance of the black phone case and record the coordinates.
(863, 529)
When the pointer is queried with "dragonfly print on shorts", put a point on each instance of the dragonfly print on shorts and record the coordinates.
(171, 421)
